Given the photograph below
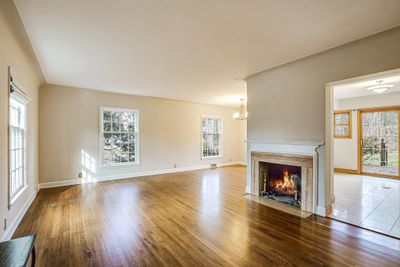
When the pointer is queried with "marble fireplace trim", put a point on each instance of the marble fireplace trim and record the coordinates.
(284, 149)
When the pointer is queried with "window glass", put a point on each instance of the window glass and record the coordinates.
(119, 132)
(211, 137)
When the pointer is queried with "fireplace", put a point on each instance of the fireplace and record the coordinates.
(283, 181)
(280, 182)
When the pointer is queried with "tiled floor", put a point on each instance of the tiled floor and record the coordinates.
(370, 202)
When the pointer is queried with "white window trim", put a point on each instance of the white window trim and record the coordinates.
(221, 145)
(19, 193)
(23, 99)
(25, 178)
(137, 146)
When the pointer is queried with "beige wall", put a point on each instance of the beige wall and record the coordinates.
(169, 130)
(346, 150)
(15, 51)
(287, 104)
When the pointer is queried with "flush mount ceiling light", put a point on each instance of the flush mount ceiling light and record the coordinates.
(380, 88)
(242, 114)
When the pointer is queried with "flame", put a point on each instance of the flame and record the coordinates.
(287, 184)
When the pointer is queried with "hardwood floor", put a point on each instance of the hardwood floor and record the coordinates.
(197, 218)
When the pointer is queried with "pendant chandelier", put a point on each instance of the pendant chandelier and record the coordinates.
(242, 114)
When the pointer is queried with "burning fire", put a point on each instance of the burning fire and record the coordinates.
(285, 185)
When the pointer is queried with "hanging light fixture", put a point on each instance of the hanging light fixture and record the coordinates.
(242, 114)
(380, 88)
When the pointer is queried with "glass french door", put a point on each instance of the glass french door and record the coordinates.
(380, 142)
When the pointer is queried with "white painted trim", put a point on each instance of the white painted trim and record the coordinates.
(18, 194)
(321, 211)
(12, 81)
(15, 81)
(300, 149)
(14, 224)
(61, 183)
(300, 143)
(378, 75)
(132, 175)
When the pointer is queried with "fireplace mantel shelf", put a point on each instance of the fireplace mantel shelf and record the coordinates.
(301, 149)
(297, 143)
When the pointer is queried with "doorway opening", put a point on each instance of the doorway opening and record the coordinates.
(364, 146)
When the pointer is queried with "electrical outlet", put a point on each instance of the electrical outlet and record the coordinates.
(80, 175)
(5, 224)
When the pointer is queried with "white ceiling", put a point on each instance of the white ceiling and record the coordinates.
(189, 49)
(359, 89)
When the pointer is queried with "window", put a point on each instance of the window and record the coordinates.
(119, 136)
(17, 141)
(342, 124)
(211, 137)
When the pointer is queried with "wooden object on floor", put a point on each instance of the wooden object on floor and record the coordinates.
(196, 218)
(17, 252)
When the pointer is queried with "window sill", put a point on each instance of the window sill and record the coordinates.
(212, 157)
(122, 165)
(17, 195)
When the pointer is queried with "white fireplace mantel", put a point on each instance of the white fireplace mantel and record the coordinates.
(298, 148)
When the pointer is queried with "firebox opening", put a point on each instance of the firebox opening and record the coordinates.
(281, 182)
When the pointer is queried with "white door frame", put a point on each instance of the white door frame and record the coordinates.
(329, 139)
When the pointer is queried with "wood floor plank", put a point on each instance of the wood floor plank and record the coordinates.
(197, 218)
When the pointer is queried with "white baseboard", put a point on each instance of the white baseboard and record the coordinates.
(14, 224)
(132, 175)
(224, 164)
(61, 183)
